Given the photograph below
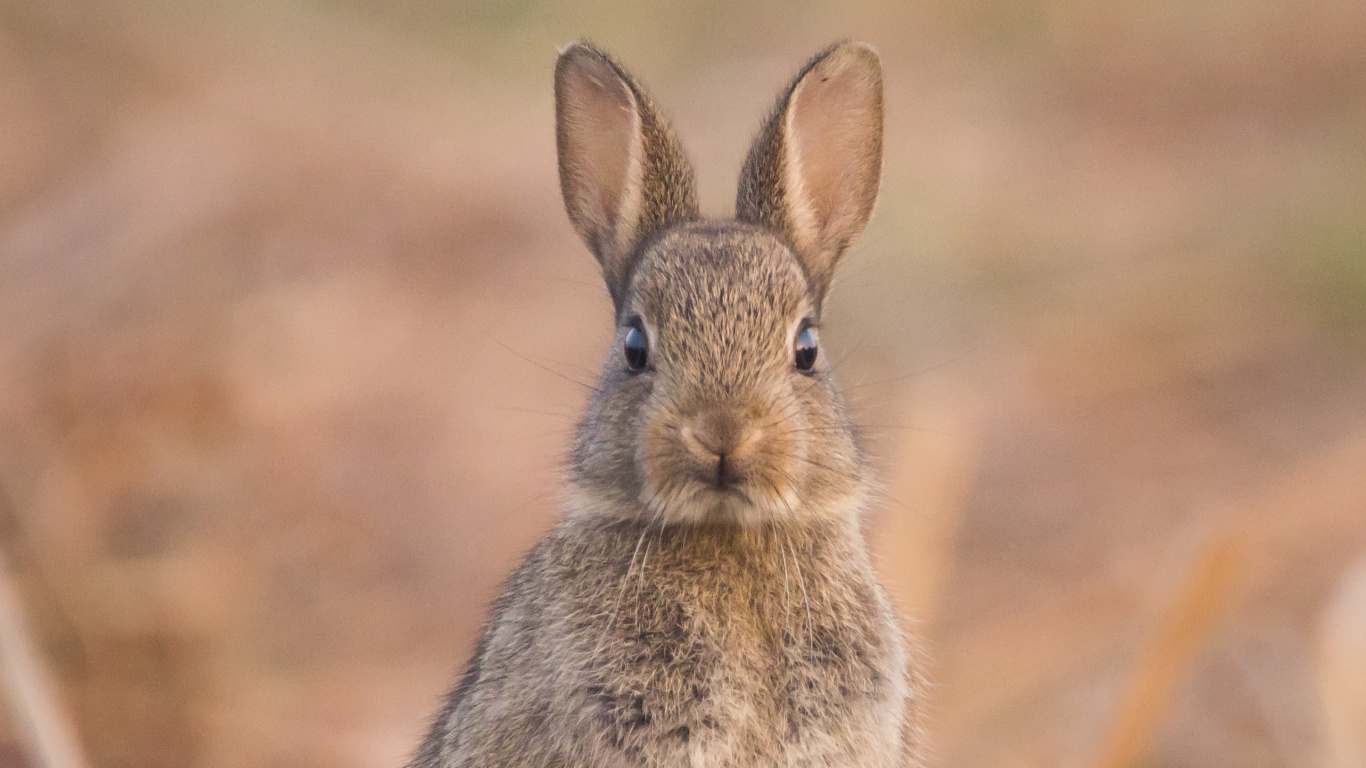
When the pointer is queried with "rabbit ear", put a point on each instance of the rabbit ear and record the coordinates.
(622, 170)
(813, 172)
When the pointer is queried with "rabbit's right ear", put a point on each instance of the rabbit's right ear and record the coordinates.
(813, 172)
(622, 170)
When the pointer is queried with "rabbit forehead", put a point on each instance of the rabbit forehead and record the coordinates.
(720, 288)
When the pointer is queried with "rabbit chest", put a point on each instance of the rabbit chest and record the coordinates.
(696, 646)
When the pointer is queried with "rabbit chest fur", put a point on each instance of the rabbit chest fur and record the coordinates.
(621, 645)
(708, 599)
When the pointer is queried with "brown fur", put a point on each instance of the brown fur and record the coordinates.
(682, 615)
(827, 124)
(613, 206)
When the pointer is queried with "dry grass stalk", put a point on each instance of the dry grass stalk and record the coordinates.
(1188, 620)
(45, 731)
(1342, 671)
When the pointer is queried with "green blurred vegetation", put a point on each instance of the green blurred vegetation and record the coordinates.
(1326, 261)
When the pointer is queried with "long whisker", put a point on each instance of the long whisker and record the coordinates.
(631, 567)
(880, 493)
(787, 587)
(545, 368)
(806, 600)
(865, 428)
(796, 487)
(640, 578)
(847, 354)
(903, 377)
(789, 411)
(829, 606)
(621, 592)
(813, 462)
(511, 409)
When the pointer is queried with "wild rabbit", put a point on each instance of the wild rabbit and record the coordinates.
(707, 599)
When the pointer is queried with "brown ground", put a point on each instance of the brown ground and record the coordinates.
(279, 282)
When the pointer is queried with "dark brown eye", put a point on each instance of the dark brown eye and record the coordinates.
(804, 349)
(637, 349)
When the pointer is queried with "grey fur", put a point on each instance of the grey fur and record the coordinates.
(673, 618)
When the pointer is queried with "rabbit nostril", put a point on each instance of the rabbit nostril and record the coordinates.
(726, 475)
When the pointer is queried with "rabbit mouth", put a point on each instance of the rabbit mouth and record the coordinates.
(722, 504)
(706, 503)
(748, 499)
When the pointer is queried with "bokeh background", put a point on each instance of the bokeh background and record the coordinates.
(291, 318)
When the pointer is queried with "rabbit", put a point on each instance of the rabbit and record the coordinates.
(707, 598)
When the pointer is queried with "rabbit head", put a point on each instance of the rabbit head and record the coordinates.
(716, 402)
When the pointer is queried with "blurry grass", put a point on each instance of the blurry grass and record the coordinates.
(679, 37)
(1187, 623)
(1054, 326)
(1326, 260)
(496, 36)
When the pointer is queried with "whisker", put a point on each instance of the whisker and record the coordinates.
(787, 587)
(616, 606)
(806, 599)
(558, 414)
(787, 590)
(796, 487)
(903, 377)
(866, 428)
(815, 463)
(878, 492)
(640, 578)
(545, 368)
(848, 353)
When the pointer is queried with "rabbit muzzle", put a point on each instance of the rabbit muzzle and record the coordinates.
(722, 462)
(722, 442)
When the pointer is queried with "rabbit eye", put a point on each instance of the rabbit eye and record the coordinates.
(637, 349)
(804, 349)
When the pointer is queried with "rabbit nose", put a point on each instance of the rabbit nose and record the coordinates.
(718, 435)
(717, 432)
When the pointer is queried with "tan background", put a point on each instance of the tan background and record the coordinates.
(280, 281)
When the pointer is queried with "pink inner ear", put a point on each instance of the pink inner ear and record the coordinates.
(599, 127)
(834, 135)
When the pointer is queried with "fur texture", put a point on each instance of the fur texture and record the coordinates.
(708, 599)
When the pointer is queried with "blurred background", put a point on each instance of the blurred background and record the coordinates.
(290, 318)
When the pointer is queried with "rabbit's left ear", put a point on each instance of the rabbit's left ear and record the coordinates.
(813, 172)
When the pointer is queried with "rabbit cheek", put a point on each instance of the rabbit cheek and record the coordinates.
(778, 471)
